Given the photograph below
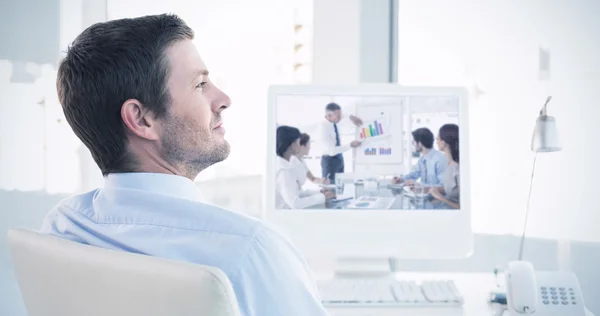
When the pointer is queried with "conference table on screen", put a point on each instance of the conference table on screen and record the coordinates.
(403, 199)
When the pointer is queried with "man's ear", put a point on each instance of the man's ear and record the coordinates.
(139, 120)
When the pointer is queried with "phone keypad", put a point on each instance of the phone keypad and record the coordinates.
(551, 295)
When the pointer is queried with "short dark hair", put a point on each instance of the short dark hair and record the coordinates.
(304, 139)
(332, 107)
(107, 64)
(286, 136)
(424, 136)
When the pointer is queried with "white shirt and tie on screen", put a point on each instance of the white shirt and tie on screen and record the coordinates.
(332, 160)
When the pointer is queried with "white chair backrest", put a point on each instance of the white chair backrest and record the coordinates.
(58, 277)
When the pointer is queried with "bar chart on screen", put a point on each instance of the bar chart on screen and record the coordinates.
(372, 130)
(378, 151)
(385, 151)
(376, 130)
(380, 134)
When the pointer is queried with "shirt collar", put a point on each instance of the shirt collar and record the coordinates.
(282, 163)
(294, 160)
(342, 117)
(430, 154)
(162, 183)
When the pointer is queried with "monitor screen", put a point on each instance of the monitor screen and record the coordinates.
(367, 152)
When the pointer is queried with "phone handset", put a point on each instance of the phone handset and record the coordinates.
(521, 286)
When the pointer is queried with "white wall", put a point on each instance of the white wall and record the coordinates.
(566, 181)
(247, 45)
(494, 46)
(336, 42)
(500, 60)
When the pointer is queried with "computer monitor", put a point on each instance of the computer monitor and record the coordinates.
(379, 204)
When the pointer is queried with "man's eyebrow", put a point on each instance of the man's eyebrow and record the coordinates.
(198, 73)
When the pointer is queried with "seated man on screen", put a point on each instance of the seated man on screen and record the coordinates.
(298, 162)
(138, 95)
(332, 160)
(431, 165)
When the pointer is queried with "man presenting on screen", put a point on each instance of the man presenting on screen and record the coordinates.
(332, 161)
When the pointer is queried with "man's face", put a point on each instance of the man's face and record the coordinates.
(192, 137)
(417, 146)
(334, 116)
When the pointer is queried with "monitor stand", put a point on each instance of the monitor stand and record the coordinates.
(357, 267)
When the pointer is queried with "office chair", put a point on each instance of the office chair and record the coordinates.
(58, 277)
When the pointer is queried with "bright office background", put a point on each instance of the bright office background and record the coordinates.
(492, 47)
(510, 53)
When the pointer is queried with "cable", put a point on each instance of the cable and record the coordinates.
(527, 211)
(497, 270)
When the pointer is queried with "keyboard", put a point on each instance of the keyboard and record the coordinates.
(388, 292)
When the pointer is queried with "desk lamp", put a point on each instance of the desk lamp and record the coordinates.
(545, 135)
(545, 139)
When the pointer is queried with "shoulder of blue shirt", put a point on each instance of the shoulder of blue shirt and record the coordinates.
(236, 223)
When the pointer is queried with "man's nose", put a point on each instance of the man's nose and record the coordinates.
(222, 102)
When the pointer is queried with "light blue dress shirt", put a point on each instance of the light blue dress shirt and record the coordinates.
(163, 215)
(430, 168)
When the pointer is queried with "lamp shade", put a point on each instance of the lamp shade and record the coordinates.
(545, 135)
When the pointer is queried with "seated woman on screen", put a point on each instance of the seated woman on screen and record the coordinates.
(287, 192)
(447, 142)
(298, 162)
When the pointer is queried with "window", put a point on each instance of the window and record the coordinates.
(38, 150)
(511, 55)
(303, 17)
(247, 45)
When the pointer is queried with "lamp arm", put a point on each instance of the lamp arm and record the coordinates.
(527, 210)
(543, 111)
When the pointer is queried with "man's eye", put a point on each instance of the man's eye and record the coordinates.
(201, 84)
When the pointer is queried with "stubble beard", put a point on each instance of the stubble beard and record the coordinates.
(192, 149)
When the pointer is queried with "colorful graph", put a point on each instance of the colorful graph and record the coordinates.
(374, 129)
(378, 151)
(385, 151)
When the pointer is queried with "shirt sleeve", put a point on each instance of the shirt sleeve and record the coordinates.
(56, 223)
(302, 170)
(440, 169)
(305, 166)
(415, 173)
(328, 142)
(276, 280)
(290, 192)
(457, 176)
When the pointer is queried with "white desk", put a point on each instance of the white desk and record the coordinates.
(474, 287)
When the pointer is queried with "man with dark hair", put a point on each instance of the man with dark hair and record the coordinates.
(138, 95)
(332, 160)
(431, 165)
